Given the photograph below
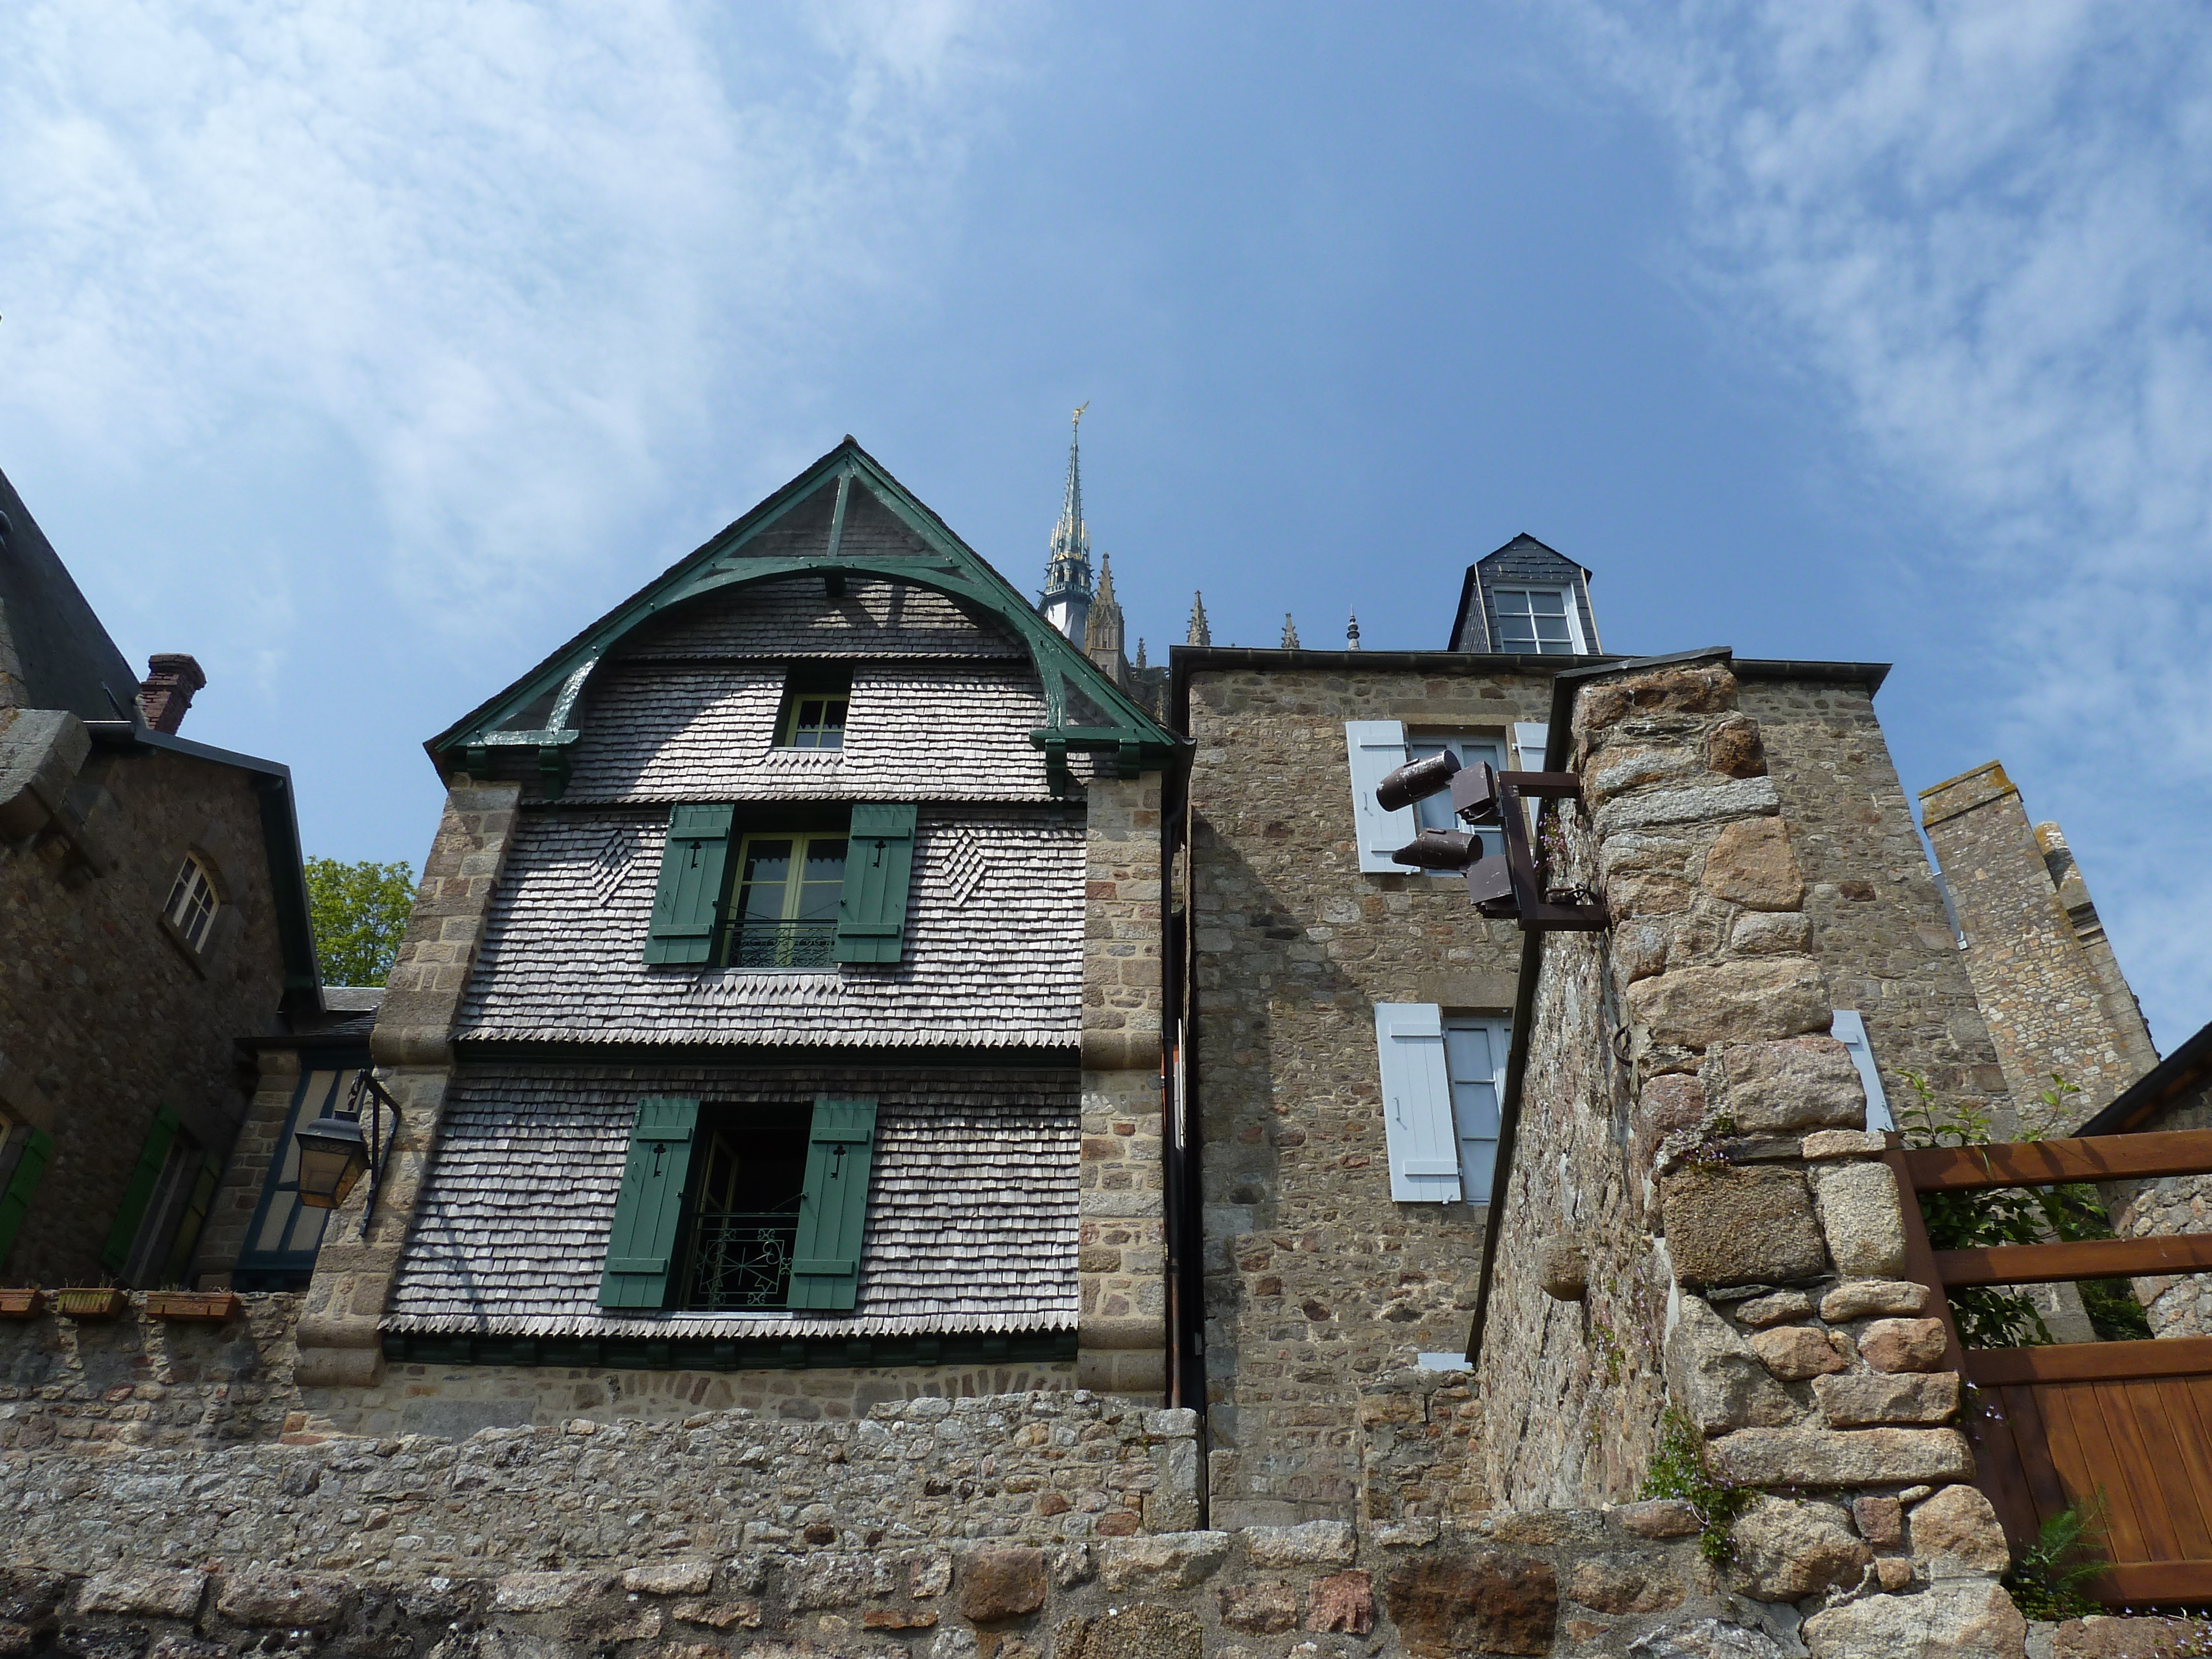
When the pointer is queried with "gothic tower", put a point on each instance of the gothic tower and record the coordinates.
(1067, 599)
(1102, 635)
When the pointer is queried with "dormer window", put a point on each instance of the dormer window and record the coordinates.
(192, 903)
(1539, 621)
(813, 716)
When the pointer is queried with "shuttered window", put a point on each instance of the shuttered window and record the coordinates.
(33, 1150)
(825, 1268)
(1528, 740)
(178, 1260)
(649, 1205)
(1850, 1029)
(1417, 1102)
(1435, 812)
(1474, 1057)
(1376, 748)
(879, 871)
(138, 1191)
(687, 905)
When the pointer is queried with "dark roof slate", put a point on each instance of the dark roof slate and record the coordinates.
(972, 1211)
(992, 956)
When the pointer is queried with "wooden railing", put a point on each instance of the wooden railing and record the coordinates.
(2121, 1428)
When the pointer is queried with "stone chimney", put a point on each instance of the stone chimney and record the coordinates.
(167, 691)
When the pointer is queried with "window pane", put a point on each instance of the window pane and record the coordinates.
(1547, 602)
(308, 1229)
(767, 877)
(271, 1238)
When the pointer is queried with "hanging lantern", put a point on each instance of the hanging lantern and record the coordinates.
(332, 1156)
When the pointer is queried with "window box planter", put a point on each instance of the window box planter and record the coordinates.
(22, 1304)
(203, 1307)
(90, 1305)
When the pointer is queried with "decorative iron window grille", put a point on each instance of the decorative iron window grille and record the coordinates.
(742, 1262)
(784, 944)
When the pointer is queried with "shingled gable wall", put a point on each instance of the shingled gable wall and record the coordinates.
(1698, 1237)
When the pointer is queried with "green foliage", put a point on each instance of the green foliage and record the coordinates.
(1681, 1469)
(359, 911)
(2047, 1576)
(1990, 1316)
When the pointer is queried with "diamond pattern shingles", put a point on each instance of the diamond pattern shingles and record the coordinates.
(971, 1213)
(992, 958)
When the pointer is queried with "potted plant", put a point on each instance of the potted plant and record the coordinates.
(205, 1306)
(28, 1303)
(90, 1302)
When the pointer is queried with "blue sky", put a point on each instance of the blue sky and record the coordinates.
(368, 351)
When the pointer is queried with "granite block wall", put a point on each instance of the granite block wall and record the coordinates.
(2049, 986)
(1316, 1282)
(106, 1013)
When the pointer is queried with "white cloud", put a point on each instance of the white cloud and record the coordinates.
(525, 264)
(1983, 227)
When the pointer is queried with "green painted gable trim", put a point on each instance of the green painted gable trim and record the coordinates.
(536, 714)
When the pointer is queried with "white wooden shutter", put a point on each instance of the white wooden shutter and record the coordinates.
(1528, 741)
(1376, 749)
(1417, 1108)
(1850, 1031)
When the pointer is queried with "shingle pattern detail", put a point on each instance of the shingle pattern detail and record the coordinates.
(801, 533)
(664, 733)
(972, 1222)
(964, 864)
(798, 619)
(611, 865)
(564, 953)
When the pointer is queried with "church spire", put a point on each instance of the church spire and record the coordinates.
(1289, 633)
(1201, 631)
(1101, 631)
(1066, 600)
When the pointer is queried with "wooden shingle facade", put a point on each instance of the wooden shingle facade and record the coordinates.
(766, 980)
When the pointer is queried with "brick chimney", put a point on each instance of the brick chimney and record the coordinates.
(167, 691)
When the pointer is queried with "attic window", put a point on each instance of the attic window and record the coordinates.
(813, 716)
(1539, 620)
(192, 903)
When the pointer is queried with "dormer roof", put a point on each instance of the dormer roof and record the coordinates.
(1524, 561)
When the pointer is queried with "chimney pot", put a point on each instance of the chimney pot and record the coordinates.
(166, 693)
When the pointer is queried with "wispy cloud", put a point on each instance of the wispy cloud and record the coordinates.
(1983, 229)
(526, 264)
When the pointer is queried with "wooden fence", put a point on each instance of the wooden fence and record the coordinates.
(2122, 1427)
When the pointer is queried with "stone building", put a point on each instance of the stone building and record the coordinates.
(779, 1013)
(1348, 1021)
(154, 911)
(2050, 987)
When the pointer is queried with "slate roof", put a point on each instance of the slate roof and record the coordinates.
(800, 618)
(993, 953)
(659, 731)
(971, 1227)
(62, 652)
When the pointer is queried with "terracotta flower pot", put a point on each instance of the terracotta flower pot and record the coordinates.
(207, 1307)
(22, 1304)
(90, 1304)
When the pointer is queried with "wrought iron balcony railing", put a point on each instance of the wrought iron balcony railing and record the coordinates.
(740, 1262)
(783, 944)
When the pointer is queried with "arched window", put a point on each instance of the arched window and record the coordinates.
(192, 903)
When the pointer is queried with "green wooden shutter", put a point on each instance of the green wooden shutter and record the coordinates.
(825, 1268)
(140, 1190)
(188, 1227)
(878, 869)
(687, 906)
(649, 1207)
(15, 1202)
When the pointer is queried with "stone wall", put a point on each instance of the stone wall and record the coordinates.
(1696, 1199)
(2049, 986)
(106, 1013)
(2178, 1304)
(1316, 1282)
(411, 1044)
(1877, 920)
(1122, 1333)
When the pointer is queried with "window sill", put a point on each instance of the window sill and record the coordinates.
(782, 756)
